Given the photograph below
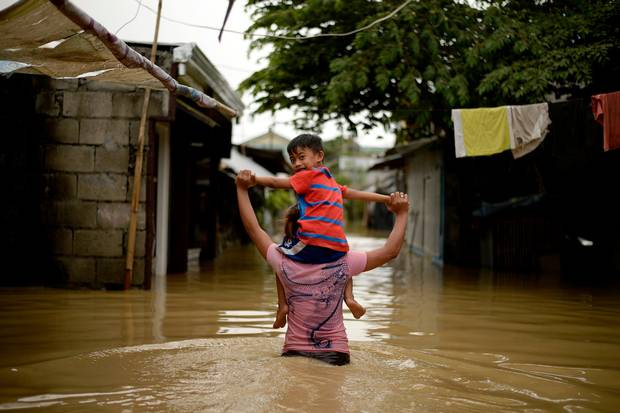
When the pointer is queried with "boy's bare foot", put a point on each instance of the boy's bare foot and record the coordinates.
(356, 308)
(281, 316)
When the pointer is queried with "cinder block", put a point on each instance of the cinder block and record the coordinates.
(111, 270)
(140, 243)
(48, 103)
(87, 104)
(133, 153)
(159, 103)
(60, 186)
(63, 130)
(102, 187)
(70, 158)
(111, 132)
(142, 188)
(134, 132)
(129, 105)
(79, 270)
(117, 215)
(115, 160)
(62, 241)
(138, 272)
(98, 243)
(73, 214)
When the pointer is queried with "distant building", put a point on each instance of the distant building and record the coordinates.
(269, 140)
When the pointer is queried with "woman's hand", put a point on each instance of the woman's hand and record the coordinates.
(246, 179)
(399, 202)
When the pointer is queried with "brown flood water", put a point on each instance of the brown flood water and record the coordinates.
(433, 340)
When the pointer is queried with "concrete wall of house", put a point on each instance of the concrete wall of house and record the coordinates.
(91, 132)
(423, 175)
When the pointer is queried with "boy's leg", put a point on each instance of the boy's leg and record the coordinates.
(356, 308)
(282, 306)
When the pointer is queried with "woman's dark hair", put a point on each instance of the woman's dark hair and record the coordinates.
(290, 224)
(305, 140)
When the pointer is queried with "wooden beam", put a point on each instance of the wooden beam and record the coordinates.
(137, 178)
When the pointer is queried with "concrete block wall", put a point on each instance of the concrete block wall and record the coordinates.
(88, 155)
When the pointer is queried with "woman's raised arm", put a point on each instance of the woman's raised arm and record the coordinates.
(259, 237)
(399, 205)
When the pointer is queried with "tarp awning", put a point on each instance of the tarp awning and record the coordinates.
(57, 39)
(37, 34)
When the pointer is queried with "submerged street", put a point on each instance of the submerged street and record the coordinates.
(433, 339)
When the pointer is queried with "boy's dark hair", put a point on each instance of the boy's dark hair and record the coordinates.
(290, 224)
(305, 140)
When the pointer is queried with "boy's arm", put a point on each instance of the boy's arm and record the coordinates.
(260, 238)
(273, 182)
(365, 196)
(399, 205)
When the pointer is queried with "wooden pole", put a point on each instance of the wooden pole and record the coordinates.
(137, 178)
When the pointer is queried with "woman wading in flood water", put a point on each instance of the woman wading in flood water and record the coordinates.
(314, 292)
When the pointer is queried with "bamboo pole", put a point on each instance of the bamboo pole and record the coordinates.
(137, 178)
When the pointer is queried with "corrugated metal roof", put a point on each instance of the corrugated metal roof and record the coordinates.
(399, 153)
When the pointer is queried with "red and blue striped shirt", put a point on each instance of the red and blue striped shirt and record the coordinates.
(321, 212)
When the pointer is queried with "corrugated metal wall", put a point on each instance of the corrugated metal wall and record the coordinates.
(423, 172)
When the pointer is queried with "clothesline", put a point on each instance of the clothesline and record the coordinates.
(522, 128)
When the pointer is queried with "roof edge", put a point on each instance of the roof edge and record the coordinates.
(204, 73)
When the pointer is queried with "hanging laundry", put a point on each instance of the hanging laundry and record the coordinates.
(606, 109)
(529, 126)
(482, 131)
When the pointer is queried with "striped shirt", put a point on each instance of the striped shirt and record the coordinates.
(321, 216)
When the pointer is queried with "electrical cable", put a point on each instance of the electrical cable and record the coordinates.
(132, 19)
(273, 36)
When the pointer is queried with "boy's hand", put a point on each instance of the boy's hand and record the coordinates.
(246, 179)
(399, 202)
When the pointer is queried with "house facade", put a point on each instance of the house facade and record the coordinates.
(420, 164)
(71, 174)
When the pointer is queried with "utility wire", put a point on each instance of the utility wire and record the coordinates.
(273, 36)
(133, 18)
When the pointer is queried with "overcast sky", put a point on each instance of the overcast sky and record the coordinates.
(230, 56)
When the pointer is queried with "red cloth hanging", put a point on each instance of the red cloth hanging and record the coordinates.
(606, 109)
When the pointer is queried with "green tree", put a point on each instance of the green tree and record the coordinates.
(408, 71)
(277, 201)
(529, 50)
(395, 71)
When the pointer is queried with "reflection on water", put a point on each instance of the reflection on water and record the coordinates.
(432, 340)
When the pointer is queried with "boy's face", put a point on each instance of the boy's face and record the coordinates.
(305, 158)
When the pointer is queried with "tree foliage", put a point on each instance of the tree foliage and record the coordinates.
(408, 71)
(530, 50)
